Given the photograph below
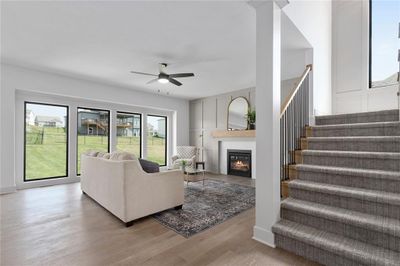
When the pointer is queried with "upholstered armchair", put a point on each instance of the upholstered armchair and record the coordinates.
(185, 153)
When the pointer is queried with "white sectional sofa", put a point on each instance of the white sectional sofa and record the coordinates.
(122, 187)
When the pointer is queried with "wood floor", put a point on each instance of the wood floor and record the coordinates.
(58, 225)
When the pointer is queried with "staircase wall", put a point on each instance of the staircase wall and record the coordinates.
(350, 66)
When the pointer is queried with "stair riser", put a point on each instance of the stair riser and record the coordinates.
(387, 185)
(373, 146)
(393, 130)
(375, 208)
(347, 230)
(386, 164)
(312, 253)
(385, 116)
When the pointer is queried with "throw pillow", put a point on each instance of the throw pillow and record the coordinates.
(119, 156)
(149, 166)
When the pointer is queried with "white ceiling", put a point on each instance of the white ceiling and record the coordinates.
(103, 41)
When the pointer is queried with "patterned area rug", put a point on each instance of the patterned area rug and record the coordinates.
(207, 206)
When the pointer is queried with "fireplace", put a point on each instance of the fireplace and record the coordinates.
(239, 162)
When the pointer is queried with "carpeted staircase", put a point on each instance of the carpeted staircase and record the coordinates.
(344, 201)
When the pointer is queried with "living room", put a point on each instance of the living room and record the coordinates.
(189, 133)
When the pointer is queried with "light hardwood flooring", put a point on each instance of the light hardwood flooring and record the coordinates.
(58, 225)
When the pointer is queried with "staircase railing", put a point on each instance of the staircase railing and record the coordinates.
(294, 119)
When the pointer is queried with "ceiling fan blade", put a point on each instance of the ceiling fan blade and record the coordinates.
(174, 81)
(143, 73)
(181, 75)
(152, 81)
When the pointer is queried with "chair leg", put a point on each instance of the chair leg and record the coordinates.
(129, 224)
(178, 207)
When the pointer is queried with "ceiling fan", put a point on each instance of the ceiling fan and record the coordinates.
(163, 77)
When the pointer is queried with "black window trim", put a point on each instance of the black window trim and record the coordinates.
(166, 137)
(77, 135)
(141, 128)
(67, 143)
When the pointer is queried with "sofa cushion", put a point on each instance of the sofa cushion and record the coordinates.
(119, 156)
(149, 166)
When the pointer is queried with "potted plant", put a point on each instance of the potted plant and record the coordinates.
(251, 119)
(183, 165)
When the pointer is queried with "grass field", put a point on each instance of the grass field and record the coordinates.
(46, 150)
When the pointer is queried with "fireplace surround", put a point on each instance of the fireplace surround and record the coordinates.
(239, 162)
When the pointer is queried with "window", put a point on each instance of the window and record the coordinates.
(384, 43)
(129, 133)
(93, 132)
(157, 139)
(46, 141)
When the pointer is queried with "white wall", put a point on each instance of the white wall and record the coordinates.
(314, 20)
(210, 114)
(293, 63)
(350, 62)
(15, 78)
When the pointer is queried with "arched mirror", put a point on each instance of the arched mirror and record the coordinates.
(237, 111)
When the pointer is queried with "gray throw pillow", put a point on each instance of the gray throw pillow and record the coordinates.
(149, 166)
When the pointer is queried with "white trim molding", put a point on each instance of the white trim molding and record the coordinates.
(8, 190)
(264, 236)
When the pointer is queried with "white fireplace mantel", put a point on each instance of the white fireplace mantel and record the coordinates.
(236, 144)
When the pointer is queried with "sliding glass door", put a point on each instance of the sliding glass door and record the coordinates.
(45, 141)
(157, 139)
(93, 132)
(129, 133)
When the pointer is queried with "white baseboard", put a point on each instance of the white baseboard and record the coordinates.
(49, 182)
(7, 190)
(264, 236)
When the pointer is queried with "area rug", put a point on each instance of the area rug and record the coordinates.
(207, 206)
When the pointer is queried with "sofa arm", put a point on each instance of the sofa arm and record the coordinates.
(104, 181)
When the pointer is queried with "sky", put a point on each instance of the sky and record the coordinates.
(46, 110)
(385, 41)
(153, 120)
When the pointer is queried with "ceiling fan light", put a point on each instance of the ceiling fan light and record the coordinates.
(163, 80)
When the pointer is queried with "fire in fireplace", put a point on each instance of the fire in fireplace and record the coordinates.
(239, 162)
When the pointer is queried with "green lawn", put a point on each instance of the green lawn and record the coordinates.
(156, 150)
(46, 150)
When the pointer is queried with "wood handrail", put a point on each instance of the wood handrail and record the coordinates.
(298, 84)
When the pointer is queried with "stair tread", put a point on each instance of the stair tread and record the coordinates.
(393, 175)
(351, 192)
(357, 125)
(355, 138)
(358, 154)
(382, 112)
(342, 246)
(373, 222)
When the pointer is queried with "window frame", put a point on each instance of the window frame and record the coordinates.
(67, 142)
(370, 48)
(141, 129)
(77, 135)
(166, 137)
